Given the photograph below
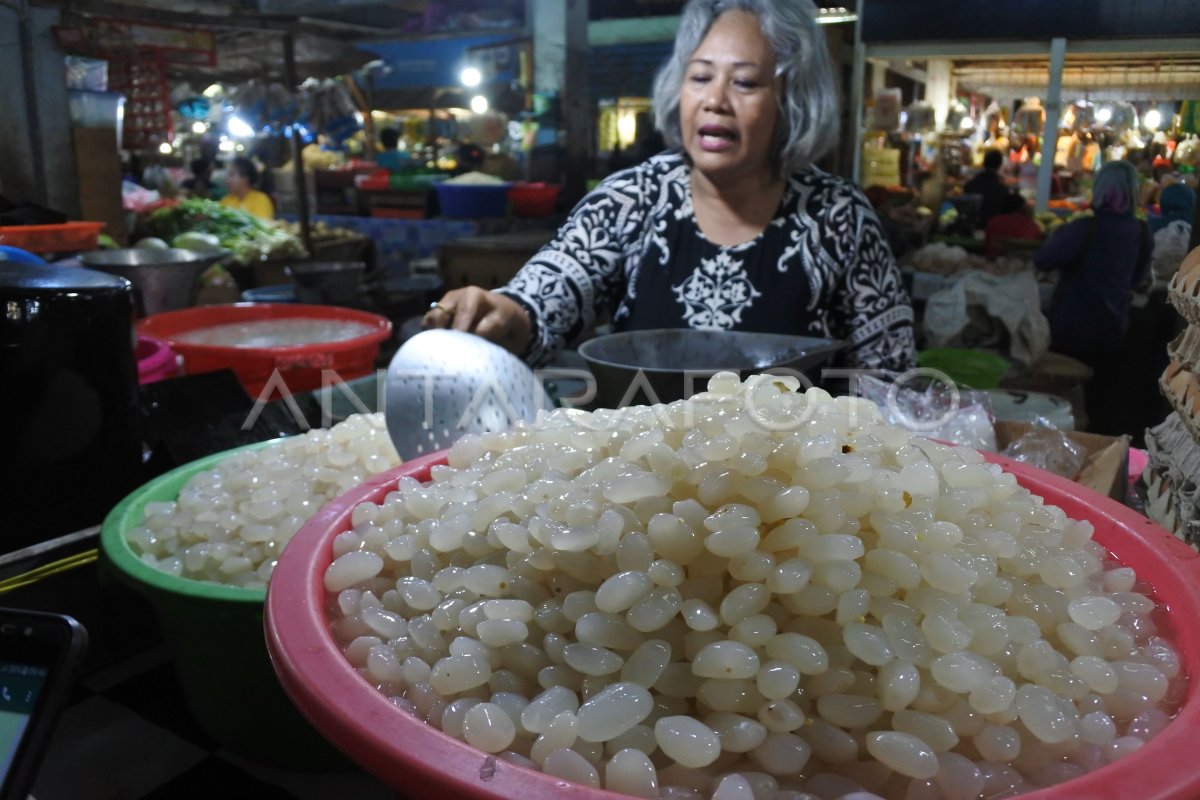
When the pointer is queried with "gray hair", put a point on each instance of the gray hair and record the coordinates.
(808, 112)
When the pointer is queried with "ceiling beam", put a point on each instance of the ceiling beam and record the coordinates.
(243, 21)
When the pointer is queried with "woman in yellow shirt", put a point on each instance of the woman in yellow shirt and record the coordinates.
(240, 178)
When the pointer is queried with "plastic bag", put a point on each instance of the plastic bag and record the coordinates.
(937, 411)
(1048, 448)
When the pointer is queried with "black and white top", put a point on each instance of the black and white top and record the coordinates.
(821, 267)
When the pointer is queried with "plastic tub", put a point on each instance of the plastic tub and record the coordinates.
(418, 760)
(214, 635)
(465, 200)
(533, 199)
(155, 358)
(67, 237)
(301, 368)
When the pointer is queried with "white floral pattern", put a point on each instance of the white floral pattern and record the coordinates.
(632, 246)
(715, 295)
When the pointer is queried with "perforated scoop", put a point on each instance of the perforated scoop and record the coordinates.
(442, 384)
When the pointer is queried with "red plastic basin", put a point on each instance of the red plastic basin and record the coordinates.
(419, 761)
(301, 368)
(533, 199)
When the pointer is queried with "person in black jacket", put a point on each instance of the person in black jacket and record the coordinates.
(989, 185)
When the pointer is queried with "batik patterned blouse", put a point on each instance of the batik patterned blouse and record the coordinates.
(821, 268)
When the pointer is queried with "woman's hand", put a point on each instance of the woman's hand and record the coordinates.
(495, 317)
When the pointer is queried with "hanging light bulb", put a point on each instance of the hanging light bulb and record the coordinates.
(165, 148)
(199, 127)
(470, 76)
(1152, 119)
(1104, 114)
(479, 104)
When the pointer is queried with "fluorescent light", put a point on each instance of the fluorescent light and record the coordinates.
(239, 127)
(165, 148)
(479, 104)
(829, 16)
(470, 76)
(1152, 119)
(199, 127)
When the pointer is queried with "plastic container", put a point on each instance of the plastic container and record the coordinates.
(329, 282)
(155, 359)
(467, 200)
(419, 761)
(215, 638)
(301, 368)
(977, 369)
(533, 199)
(66, 237)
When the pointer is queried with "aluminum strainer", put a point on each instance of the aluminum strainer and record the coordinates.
(442, 384)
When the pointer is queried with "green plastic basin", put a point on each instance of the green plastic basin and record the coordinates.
(214, 634)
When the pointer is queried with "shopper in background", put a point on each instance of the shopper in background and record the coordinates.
(1100, 259)
(201, 183)
(390, 158)
(989, 185)
(734, 228)
(1176, 203)
(1015, 221)
(240, 177)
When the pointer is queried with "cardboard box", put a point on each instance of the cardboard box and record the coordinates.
(1107, 466)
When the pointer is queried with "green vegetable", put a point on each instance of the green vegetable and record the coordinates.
(198, 241)
(106, 242)
(249, 238)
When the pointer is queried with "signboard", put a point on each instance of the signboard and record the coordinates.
(105, 37)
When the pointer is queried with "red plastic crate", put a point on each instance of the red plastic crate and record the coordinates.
(64, 238)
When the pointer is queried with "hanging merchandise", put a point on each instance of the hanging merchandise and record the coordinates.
(1079, 115)
(1029, 119)
(329, 108)
(918, 118)
(884, 113)
(1189, 116)
(958, 118)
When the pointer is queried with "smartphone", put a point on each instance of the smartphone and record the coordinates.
(40, 655)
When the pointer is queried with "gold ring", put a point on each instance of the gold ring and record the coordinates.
(439, 307)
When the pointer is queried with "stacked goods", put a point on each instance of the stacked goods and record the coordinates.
(1173, 468)
(757, 592)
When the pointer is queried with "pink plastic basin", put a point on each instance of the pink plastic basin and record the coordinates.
(419, 760)
(156, 360)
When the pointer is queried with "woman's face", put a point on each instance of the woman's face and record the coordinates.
(729, 103)
(235, 180)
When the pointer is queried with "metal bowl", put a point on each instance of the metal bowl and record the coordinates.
(334, 283)
(666, 364)
(165, 279)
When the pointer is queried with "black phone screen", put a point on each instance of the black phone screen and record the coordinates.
(20, 687)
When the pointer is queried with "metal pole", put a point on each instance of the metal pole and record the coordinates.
(857, 73)
(33, 119)
(1058, 52)
(289, 67)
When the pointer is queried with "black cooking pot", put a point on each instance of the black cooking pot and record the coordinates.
(68, 403)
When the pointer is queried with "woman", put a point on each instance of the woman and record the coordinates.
(732, 229)
(240, 177)
(1100, 260)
